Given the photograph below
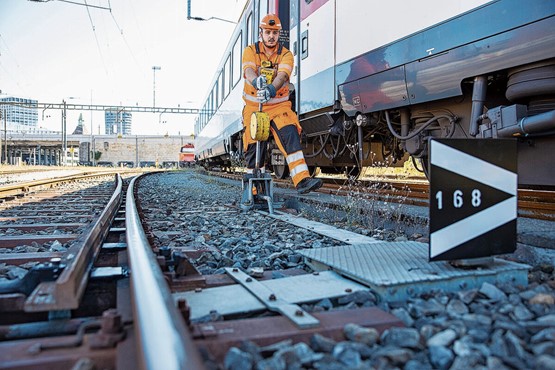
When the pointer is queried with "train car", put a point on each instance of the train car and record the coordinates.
(187, 155)
(374, 81)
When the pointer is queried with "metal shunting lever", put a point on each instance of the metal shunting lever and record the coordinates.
(293, 312)
(259, 185)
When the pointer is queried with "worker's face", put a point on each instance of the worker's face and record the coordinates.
(269, 37)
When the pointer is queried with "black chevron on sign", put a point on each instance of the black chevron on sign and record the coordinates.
(472, 193)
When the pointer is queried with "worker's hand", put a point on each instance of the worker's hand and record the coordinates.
(266, 94)
(260, 82)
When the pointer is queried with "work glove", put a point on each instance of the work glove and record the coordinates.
(266, 94)
(260, 82)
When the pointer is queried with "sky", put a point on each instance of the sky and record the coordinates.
(54, 50)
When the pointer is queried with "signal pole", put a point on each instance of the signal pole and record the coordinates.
(64, 133)
(154, 69)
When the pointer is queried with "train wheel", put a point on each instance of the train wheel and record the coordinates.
(331, 170)
(312, 170)
(425, 163)
(422, 165)
(352, 173)
(281, 171)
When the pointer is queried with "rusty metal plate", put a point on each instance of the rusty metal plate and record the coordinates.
(218, 337)
(26, 354)
(14, 241)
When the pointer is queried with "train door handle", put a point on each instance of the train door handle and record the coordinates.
(304, 45)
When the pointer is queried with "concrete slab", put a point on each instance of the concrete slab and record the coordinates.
(537, 233)
(321, 228)
(397, 271)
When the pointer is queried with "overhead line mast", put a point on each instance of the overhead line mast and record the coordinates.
(100, 107)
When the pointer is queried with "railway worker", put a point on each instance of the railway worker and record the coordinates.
(267, 66)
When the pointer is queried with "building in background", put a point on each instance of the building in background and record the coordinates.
(81, 129)
(117, 122)
(19, 118)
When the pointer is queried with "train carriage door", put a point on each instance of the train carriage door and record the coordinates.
(313, 43)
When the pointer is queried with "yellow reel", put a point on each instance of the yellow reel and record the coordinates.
(260, 126)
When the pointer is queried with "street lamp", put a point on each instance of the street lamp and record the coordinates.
(154, 69)
(64, 129)
(64, 133)
(5, 154)
(91, 145)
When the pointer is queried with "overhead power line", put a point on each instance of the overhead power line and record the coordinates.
(73, 2)
(189, 16)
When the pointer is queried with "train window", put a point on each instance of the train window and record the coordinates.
(222, 84)
(227, 76)
(207, 112)
(219, 84)
(237, 53)
(210, 106)
(250, 27)
(216, 96)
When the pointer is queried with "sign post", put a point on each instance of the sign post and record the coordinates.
(473, 198)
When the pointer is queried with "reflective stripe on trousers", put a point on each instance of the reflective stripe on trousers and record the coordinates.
(289, 143)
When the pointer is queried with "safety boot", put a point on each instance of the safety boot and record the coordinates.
(308, 184)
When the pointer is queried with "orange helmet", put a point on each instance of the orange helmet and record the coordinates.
(270, 22)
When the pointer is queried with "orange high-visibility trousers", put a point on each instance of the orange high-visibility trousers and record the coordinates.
(286, 129)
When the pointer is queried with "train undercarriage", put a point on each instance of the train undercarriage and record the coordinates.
(517, 103)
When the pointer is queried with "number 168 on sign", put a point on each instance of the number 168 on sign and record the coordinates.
(458, 198)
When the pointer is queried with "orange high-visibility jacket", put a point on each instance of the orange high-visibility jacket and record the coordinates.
(279, 107)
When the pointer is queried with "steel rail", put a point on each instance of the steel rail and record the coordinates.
(65, 292)
(164, 341)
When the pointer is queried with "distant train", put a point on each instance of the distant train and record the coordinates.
(187, 155)
(374, 81)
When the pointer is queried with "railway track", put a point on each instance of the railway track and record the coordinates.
(538, 204)
(535, 204)
(218, 240)
(183, 279)
(52, 233)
